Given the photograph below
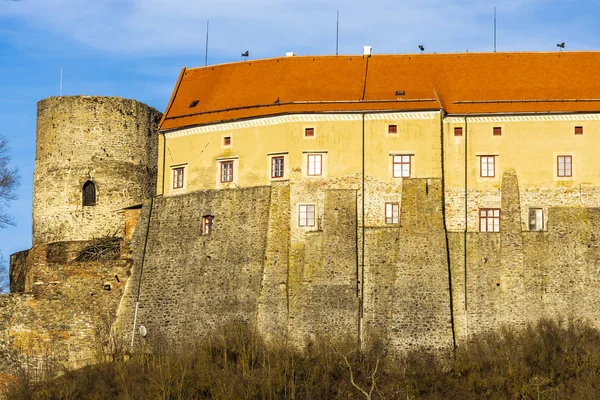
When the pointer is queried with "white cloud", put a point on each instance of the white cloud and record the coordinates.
(270, 27)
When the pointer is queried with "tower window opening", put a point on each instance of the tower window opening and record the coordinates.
(207, 224)
(89, 194)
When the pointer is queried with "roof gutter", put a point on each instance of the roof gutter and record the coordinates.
(308, 102)
(222, 121)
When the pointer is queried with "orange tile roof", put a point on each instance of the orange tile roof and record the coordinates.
(462, 83)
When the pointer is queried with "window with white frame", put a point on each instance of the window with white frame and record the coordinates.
(392, 213)
(306, 215)
(401, 166)
(226, 168)
(487, 166)
(536, 219)
(314, 164)
(489, 220)
(564, 166)
(277, 167)
(178, 175)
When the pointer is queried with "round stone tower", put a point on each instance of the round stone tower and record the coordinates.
(94, 157)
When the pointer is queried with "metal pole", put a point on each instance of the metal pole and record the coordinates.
(494, 29)
(206, 47)
(337, 32)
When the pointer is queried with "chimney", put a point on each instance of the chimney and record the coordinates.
(290, 54)
(367, 50)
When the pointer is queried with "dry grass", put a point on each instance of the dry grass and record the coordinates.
(549, 360)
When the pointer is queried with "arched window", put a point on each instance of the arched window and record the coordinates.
(89, 194)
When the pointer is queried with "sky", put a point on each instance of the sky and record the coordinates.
(136, 48)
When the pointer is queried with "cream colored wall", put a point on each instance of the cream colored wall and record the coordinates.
(338, 138)
(530, 145)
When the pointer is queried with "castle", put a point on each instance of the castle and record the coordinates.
(422, 198)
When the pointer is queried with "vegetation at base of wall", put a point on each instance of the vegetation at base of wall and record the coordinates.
(548, 360)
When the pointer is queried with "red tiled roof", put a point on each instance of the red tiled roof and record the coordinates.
(464, 83)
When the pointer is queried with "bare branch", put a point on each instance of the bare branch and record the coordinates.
(9, 182)
(345, 358)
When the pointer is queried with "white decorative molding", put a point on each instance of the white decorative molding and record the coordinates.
(298, 118)
(401, 115)
(524, 118)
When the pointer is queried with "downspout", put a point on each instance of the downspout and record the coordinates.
(465, 232)
(446, 232)
(164, 162)
(362, 253)
(137, 299)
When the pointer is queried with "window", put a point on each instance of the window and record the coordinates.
(392, 129)
(226, 171)
(277, 167)
(207, 224)
(89, 194)
(392, 213)
(194, 103)
(227, 141)
(489, 220)
(564, 164)
(306, 215)
(315, 164)
(579, 130)
(497, 131)
(178, 178)
(401, 166)
(536, 219)
(458, 131)
(309, 132)
(487, 168)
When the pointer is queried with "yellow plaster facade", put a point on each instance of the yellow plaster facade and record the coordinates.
(529, 144)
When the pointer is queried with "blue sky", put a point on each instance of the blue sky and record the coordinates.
(135, 48)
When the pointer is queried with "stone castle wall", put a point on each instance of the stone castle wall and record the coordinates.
(515, 276)
(258, 267)
(108, 140)
(68, 309)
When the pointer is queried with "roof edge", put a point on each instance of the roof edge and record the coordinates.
(172, 99)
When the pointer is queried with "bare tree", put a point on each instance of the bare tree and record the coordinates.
(9, 182)
(4, 281)
(368, 395)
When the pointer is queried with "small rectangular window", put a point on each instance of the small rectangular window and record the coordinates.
(315, 166)
(458, 131)
(497, 131)
(536, 219)
(226, 171)
(207, 224)
(309, 132)
(401, 166)
(277, 167)
(392, 213)
(306, 215)
(227, 141)
(487, 166)
(392, 129)
(489, 220)
(564, 166)
(579, 130)
(178, 178)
